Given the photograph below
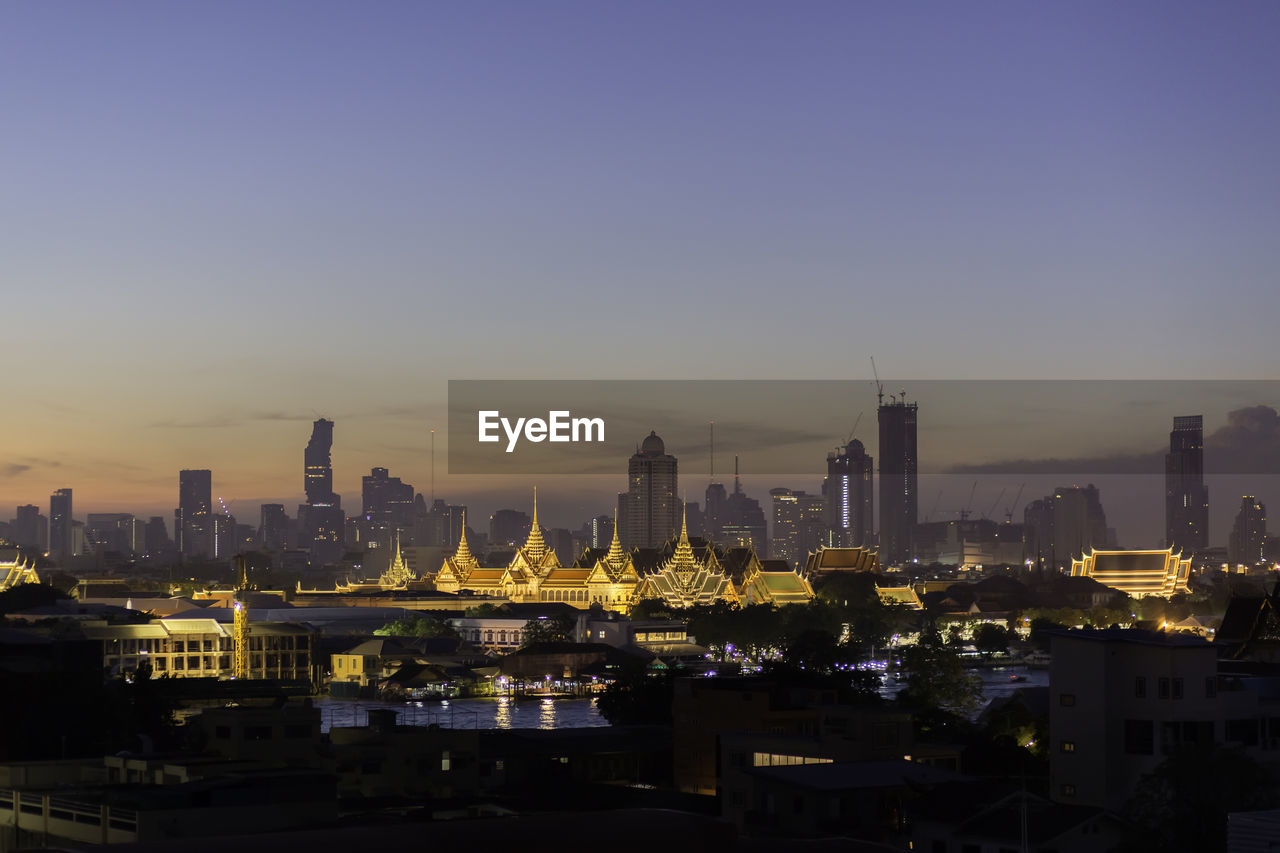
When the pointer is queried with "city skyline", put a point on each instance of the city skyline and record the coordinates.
(231, 221)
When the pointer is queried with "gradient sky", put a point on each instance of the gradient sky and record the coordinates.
(222, 220)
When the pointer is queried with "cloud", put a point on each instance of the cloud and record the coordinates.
(1249, 443)
(13, 469)
(224, 421)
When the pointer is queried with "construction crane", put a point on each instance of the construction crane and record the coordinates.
(855, 428)
(1008, 515)
(240, 626)
(879, 384)
(995, 503)
(964, 513)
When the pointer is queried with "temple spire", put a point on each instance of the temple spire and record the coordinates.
(463, 556)
(616, 557)
(535, 547)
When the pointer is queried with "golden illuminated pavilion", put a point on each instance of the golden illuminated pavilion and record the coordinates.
(685, 581)
(16, 569)
(397, 575)
(1137, 573)
(686, 575)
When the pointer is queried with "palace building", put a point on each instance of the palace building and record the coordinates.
(1158, 571)
(687, 573)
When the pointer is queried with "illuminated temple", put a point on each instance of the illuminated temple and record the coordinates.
(15, 570)
(1158, 571)
(683, 574)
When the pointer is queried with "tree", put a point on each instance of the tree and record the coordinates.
(637, 697)
(25, 596)
(936, 678)
(1183, 803)
(547, 629)
(990, 639)
(416, 626)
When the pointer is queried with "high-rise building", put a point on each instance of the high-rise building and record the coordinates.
(192, 524)
(114, 531)
(60, 544)
(156, 536)
(716, 512)
(649, 511)
(1186, 498)
(321, 520)
(509, 528)
(387, 506)
(1249, 533)
(30, 528)
(850, 501)
(899, 468)
(745, 524)
(273, 528)
(318, 465)
(799, 525)
(1079, 523)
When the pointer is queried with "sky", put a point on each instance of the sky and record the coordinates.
(221, 221)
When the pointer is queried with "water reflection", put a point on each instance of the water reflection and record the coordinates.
(547, 719)
(502, 718)
(499, 712)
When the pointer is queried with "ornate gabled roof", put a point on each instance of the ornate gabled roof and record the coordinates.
(16, 571)
(535, 548)
(683, 561)
(616, 559)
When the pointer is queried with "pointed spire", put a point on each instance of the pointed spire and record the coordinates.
(684, 560)
(398, 573)
(463, 557)
(535, 548)
(616, 558)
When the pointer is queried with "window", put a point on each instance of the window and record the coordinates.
(1068, 746)
(1139, 737)
(1210, 687)
(445, 762)
(222, 732)
(1067, 700)
(1068, 790)
(1140, 687)
(1164, 688)
(1177, 688)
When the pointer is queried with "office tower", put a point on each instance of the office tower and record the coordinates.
(318, 465)
(799, 525)
(387, 506)
(321, 519)
(1079, 523)
(114, 531)
(156, 536)
(224, 541)
(30, 528)
(716, 512)
(1186, 498)
(849, 496)
(442, 524)
(509, 528)
(745, 524)
(601, 531)
(192, 524)
(1249, 533)
(273, 527)
(898, 478)
(60, 544)
(649, 511)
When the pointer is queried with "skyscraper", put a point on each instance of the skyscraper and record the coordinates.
(192, 523)
(649, 511)
(387, 506)
(745, 524)
(898, 478)
(60, 523)
(1249, 533)
(799, 525)
(322, 521)
(1079, 523)
(849, 496)
(273, 527)
(30, 528)
(1186, 498)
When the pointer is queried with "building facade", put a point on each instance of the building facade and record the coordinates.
(849, 493)
(649, 511)
(1186, 498)
(1248, 533)
(899, 474)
